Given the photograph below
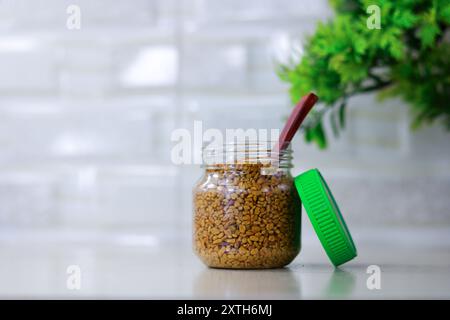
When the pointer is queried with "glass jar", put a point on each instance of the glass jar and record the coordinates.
(247, 211)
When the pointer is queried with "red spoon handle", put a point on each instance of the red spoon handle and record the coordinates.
(295, 119)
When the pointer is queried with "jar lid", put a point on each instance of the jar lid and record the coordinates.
(325, 217)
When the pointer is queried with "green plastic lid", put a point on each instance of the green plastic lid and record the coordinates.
(325, 217)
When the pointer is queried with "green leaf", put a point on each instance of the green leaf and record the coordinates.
(341, 109)
(396, 49)
(334, 124)
(318, 136)
(360, 45)
(427, 34)
(308, 134)
(444, 12)
(404, 18)
(429, 28)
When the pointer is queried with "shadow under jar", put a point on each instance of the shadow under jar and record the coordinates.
(247, 211)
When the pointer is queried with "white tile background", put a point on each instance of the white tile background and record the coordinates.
(86, 115)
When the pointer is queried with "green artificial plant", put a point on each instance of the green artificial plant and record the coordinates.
(406, 56)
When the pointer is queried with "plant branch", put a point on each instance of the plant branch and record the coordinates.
(378, 86)
(376, 78)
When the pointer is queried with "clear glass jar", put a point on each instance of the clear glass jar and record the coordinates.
(247, 211)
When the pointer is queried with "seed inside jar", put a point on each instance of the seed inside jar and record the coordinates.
(244, 218)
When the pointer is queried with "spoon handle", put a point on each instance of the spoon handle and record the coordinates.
(295, 119)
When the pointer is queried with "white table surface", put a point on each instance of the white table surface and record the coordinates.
(415, 263)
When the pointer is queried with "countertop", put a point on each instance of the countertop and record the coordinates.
(414, 263)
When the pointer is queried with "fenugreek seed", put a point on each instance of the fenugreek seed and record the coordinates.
(243, 250)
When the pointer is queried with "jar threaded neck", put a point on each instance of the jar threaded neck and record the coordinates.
(249, 152)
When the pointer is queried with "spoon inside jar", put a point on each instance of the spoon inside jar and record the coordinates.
(294, 121)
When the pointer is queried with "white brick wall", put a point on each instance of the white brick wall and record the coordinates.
(86, 115)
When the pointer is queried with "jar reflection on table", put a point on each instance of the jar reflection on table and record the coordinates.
(241, 284)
